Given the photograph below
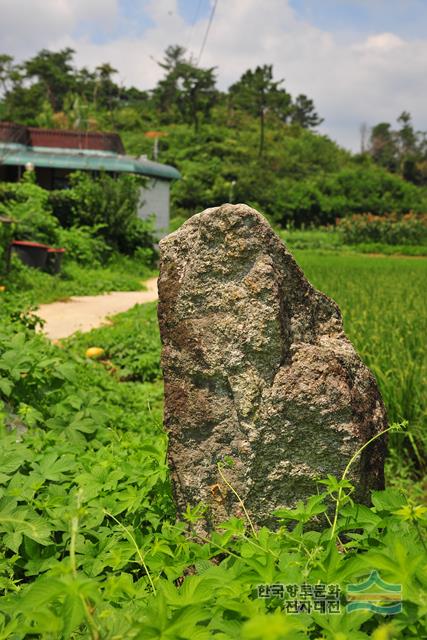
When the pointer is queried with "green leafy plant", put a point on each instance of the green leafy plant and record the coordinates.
(27, 203)
(110, 205)
(131, 344)
(83, 245)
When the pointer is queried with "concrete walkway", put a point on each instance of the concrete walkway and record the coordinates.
(83, 313)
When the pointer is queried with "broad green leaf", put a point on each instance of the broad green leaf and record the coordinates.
(72, 613)
(53, 467)
(42, 591)
(275, 626)
(6, 386)
(388, 500)
(23, 521)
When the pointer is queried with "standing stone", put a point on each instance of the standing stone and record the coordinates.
(257, 368)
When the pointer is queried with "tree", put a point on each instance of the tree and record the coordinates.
(6, 72)
(401, 150)
(23, 104)
(383, 147)
(47, 85)
(407, 139)
(187, 91)
(54, 71)
(408, 147)
(165, 94)
(304, 114)
(105, 89)
(257, 93)
(197, 93)
(174, 56)
(19, 103)
(85, 82)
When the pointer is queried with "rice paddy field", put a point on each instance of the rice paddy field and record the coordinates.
(383, 301)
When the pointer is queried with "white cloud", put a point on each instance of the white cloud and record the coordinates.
(369, 80)
(27, 26)
(382, 42)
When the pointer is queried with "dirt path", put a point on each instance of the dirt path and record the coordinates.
(83, 313)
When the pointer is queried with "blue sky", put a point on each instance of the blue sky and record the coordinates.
(407, 18)
(362, 61)
(345, 18)
(136, 19)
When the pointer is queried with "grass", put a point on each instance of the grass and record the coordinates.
(131, 344)
(33, 286)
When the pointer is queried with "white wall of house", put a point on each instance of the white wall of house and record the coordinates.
(155, 200)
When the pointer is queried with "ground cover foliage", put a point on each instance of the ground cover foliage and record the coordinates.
(33, 287)
(89, 543)
(107, 247)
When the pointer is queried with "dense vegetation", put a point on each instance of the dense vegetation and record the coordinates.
(408, 229)
(107, 246)
(90, 546)
(254, 143)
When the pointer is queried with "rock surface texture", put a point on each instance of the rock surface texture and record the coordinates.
(257, 368)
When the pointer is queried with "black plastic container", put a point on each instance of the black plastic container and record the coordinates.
(54, 260)
(32, 254)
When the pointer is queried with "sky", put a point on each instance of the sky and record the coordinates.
(361, 61)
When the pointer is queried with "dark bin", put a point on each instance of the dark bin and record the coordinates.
(32, 254)
(54, 260)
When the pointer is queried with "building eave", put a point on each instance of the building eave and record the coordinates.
(83, 160)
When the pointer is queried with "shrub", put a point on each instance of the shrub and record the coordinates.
(28, 204)
(108, 207)
(61, 202)
(98, 218)
(83, 246)
(321, 199)
(391, 229)
(139, 235)
(5, 238)
(111, 205)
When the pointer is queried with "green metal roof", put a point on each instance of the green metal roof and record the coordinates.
(84, 160)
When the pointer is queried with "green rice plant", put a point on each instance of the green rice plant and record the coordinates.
(382, 301)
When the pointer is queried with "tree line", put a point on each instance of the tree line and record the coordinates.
(401, 150)
(48, 90)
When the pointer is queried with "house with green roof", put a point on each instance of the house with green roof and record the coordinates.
(55, 153)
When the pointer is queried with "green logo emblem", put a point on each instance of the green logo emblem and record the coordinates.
(374, 594)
